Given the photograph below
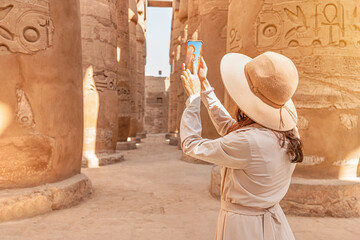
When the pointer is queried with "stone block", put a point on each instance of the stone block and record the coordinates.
(168, 135)
(28, 202)
(129, 145)
(141, 135)
(101, 159)
(136, 139)
(322, 198)
(173, 141)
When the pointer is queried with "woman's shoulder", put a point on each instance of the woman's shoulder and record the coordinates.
(255, 127)
(253, 133)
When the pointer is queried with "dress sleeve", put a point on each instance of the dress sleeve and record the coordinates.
(217, 112)
(232, 150)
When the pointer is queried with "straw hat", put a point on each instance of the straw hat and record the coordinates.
(262, 87)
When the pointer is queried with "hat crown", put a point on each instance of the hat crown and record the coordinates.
(272, 77)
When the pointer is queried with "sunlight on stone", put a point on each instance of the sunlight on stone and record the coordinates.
(91, 111)
(118, 54)
(348, 168)
(5, 117)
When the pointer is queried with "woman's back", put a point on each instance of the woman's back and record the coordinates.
(264, 179)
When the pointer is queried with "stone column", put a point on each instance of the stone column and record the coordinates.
(322, 38)
(180, 50)
(41, 98)
(123, 72)
(140, 63)
(133, 21)
(206, 21)
(99, 48)
(212, 31)
(174, 85)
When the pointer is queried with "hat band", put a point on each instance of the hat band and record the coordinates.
(257, 93)
(267, 101)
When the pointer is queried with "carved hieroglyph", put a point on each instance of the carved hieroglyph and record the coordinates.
(99, 52)
(25, 26)
(307, 23)
(322, 39)
(319, 30)
(43, 91)
(123, 72)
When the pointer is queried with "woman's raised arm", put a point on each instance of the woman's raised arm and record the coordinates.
(220, 117)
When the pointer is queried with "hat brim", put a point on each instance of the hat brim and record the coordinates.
(233, 76)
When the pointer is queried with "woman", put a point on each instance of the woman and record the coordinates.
(257, 153)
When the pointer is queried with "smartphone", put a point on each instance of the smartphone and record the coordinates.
(193, 51)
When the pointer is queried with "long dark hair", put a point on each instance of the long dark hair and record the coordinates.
(294, 144)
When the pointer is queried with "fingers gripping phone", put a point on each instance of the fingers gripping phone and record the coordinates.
(193, 52)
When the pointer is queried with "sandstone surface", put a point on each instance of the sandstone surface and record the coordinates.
(40, 67)
(29, 202)
(156, 104)
(99, 48)
(123, 74)
(322, 38)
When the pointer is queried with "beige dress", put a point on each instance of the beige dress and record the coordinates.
(255, 172)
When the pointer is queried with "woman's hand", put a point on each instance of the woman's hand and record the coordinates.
(190, 80)
(202, 70)
(205, 85)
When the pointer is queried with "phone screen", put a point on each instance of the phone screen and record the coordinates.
(193, 51)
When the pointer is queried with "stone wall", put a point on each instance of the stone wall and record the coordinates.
(40, 68)
(156, 104)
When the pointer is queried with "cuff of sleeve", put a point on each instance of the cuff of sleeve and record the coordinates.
(208, 97)
(192, 99)
(207, 91)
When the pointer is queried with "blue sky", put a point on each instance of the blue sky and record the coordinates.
(158, 30)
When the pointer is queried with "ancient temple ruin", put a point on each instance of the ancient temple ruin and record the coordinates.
(74, 91)
(322, 40)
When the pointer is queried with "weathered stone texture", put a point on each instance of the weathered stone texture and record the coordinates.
(322, 197)
(29, 202)
(40, 68)
(123, 74)
(103, 159)
(212, 31)
(128, 145)
(140, 63)
(174, 141)
(99, 48)
(322, 38)
(133, 21)
(157, 104)
(197, 20)
(26, 26)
